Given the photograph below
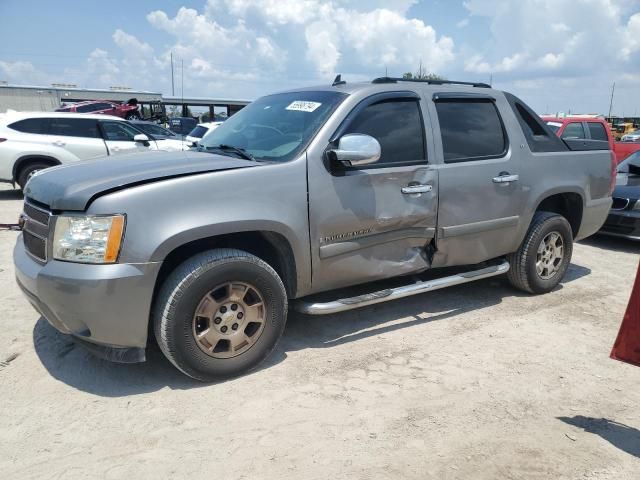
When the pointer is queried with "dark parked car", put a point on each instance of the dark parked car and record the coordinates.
(128, 110)
(182, 125)
(624, 218)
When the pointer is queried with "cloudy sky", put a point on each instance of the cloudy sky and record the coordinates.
(558, 55)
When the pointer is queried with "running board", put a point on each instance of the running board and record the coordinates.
(350, 303)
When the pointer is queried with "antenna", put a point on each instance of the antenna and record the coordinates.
(338, 81)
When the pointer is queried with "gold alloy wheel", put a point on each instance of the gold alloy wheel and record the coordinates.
(229, 320)
(550, 255)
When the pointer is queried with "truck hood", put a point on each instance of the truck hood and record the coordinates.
(72, 187)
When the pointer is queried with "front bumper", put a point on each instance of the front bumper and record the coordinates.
(622, 223)
(104, 307)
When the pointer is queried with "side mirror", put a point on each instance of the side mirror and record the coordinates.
(141, 138)
(356, 149)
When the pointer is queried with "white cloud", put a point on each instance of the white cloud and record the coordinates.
(563, 37)
(22, 73)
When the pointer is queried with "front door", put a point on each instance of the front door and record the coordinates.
(118, 135)
(481, 197)
(367, 222)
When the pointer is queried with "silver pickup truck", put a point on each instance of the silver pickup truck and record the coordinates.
(300, 193)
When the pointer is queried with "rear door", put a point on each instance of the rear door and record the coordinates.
(365, 224)
(118, 136)
(79, 136)
(480, 199)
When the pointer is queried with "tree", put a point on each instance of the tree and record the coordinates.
(422, 75)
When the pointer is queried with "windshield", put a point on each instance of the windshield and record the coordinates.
(156, 130)
(199, 131)
(276, 127)
(554, 126)
(631, 164)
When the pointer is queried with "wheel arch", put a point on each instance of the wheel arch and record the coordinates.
(569, 204)
(25, 160)
(270, 246)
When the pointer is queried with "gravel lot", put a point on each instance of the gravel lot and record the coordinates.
(473, 382)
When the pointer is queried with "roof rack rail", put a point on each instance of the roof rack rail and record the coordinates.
(430, 82)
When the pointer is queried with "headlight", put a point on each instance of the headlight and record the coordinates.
(636, 206)
(88, 239)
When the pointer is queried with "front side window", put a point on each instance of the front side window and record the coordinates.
(397, 125)
(74, 127)
(597, 131)
(119, 131)
(471, 130)
(573, 130)
(31, 125)
(276, 127)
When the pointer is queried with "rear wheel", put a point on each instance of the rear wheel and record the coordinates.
(220, 314)
(28, 171)
(133, 116)
(544, 256)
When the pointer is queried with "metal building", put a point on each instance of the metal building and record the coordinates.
(46, 99)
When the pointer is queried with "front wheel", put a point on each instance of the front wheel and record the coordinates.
(220, 314)
(544, 256)
(29, 171)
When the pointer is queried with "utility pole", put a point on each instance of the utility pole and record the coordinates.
(491, 80)
(173, 92)
(613, 89)
(184, 110)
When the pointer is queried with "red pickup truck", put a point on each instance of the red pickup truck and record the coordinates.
(590, 128)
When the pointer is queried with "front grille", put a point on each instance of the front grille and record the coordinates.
(36, 246)
(619, 203)
(35, 231)
(36, 214)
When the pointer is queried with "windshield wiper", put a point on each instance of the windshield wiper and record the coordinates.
(237, 150)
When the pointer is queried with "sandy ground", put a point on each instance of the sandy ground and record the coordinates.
(473, 382)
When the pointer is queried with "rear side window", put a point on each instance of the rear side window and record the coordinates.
(597, 131)
(397, 125)
(31, 125)
(573, 130)
(471, 130)
(74, 127)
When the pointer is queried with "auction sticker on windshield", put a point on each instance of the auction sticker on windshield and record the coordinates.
(302, 106)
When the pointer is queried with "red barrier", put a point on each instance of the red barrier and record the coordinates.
(627, 345)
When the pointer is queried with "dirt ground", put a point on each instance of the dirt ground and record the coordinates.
(473, 382)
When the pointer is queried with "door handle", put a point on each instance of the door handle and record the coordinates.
(504, 177)
(412, 189)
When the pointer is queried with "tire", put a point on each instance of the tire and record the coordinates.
(27, 172)
(198, 286)
(133, 116)
(524, 273)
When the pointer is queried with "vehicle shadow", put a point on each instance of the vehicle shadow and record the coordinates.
(11, 194)
(615, 244)
(70, 363)
(619, 435)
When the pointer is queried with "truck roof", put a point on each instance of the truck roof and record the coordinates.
(575, 118)
(384, 84)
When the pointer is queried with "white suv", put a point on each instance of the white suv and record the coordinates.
(33, 141)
